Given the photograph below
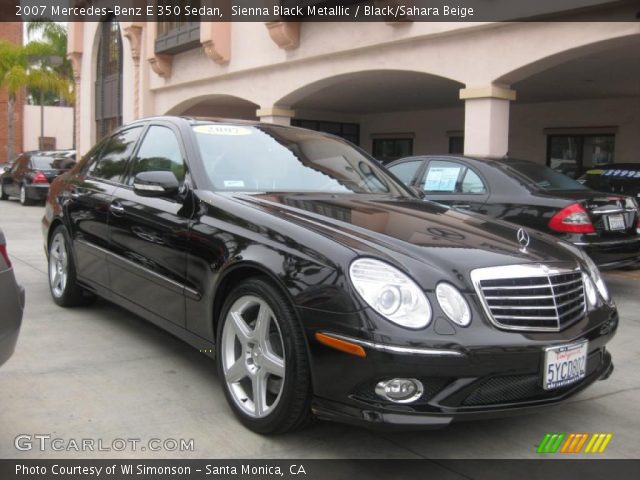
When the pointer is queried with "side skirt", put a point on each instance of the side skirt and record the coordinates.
(204, 346)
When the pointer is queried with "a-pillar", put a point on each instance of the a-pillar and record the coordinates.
(277, 115)
(486, 120)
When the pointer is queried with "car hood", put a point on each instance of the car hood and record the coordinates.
(404, 229)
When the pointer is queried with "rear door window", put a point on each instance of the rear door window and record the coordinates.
(472, 183)
(115, 155)
(19, 163)
(442, 176)
(406, 171)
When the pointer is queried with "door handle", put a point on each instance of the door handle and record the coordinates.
(462, 205)
(117, 209)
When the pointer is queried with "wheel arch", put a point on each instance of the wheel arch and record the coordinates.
(235, 275)
(55, 223)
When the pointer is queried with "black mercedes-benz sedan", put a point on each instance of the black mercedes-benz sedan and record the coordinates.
(606, 226)
(320, 284)
(28, 178)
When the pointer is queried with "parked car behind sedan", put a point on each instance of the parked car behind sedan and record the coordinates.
(618, 178)
(11, 303)
(607, 227)
(28, 178)
(321, 284)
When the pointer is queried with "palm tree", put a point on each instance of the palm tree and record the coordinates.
(17, 72)
(54, 35)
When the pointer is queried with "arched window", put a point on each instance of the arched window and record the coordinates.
(109, 79)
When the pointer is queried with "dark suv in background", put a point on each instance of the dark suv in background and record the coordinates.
(620, 178)
(30, 175)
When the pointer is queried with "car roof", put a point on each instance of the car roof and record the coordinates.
(196, 120)
(449, 156)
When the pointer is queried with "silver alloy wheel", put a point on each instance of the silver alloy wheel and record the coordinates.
(252, 352)
(58, 265)
(23, 194)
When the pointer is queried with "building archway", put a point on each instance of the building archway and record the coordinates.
(390, 113)
(108, 86)
(580, 108)
(216, 105)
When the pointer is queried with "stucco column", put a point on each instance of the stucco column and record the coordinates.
(486, 120)
(133, 31)
(277, 115)
(75, 37)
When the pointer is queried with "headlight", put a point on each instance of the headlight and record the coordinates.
(594, 272)
(590, 291)
(390, 293)
(453, 304)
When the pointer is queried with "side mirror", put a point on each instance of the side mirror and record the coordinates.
(418, 192)
(156, 184)
(6, 168)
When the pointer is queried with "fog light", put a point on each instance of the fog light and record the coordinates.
(400, 390)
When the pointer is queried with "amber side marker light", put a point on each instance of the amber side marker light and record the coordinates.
(341, 345)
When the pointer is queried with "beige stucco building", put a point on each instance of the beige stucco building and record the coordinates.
(562, 92)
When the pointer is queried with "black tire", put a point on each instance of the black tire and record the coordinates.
(68, 293)
(3, 195)
(293, 409)
(24, 199)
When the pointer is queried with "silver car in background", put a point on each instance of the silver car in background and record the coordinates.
(11, 304)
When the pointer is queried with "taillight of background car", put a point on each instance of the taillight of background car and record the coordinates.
(5, 255)
(39, 177)
(572, 219)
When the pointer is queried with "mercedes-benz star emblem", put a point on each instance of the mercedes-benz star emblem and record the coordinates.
(523, 238)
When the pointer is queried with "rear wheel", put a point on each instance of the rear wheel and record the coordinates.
(62, 272)
(24, 199)
(262, 359)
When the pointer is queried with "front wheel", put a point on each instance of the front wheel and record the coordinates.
(62, 272)
(262, 359)
(3, 195)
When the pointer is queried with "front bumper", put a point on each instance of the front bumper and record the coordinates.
(502, 377)
(12, 298)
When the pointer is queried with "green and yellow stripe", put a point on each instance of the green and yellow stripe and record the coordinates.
(573, 443)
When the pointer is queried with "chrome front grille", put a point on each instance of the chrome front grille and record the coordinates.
(531, 297)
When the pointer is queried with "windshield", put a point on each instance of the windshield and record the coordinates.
(279, 159)
(542, 177)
